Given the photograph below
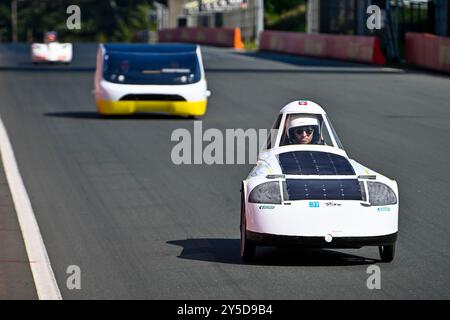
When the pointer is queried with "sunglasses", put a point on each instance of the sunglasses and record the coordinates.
(308, 131)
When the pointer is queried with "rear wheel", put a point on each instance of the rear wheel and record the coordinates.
(248, 248)
(387, 252)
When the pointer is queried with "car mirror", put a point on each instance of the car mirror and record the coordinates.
(208, 93)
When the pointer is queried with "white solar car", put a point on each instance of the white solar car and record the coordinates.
(51, 50)
(306, 191)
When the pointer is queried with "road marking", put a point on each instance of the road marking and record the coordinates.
(44, 278)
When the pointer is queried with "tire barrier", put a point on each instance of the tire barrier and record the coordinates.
(428, 51)
(223, 37)
(365, 49)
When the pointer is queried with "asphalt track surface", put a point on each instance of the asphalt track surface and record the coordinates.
(16, 280)
(108, 198)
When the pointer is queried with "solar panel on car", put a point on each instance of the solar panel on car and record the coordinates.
(314, 163)
(150, 48)
(322, 189)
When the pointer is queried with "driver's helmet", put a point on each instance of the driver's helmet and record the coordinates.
(51, 36)
(307, 123)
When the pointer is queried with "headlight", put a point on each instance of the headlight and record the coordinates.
(267, 192)
(380, 194)
(260, 169)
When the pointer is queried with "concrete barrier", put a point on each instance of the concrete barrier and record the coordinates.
(429, 51)
(223, 37)
(365, 49)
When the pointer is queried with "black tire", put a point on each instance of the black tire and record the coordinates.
(387, 252)
(248, 248)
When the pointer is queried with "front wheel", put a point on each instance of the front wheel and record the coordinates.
(387, 252)
(248, 248)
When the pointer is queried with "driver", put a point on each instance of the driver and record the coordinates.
(50, 36)
(303, 129)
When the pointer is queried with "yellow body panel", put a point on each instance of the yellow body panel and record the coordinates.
(182, 108)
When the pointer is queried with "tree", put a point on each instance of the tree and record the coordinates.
(5, 22)
(137, 20)
(116, 20)
(280, 6)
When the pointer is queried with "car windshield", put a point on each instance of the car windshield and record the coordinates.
(305, 129)
(151, 68)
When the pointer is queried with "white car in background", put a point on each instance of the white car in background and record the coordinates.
(51, 51)
(306, 191)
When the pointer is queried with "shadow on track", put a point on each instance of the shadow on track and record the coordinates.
(227, 251)
(299, 71)
(46, 68)
(92, 115)
(313, 64)
(304, 60)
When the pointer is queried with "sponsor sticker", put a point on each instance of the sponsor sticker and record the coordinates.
(266, 207)
(332, 204)
(314, 204)
(384, 209)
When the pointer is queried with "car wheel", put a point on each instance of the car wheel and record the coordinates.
(387, 252)
(248, 248)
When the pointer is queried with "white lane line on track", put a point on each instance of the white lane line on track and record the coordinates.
(44, 278)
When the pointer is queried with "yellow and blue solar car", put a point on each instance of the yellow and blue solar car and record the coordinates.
(160, 78)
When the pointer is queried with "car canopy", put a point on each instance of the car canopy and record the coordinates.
(150, 48)
(162, 64)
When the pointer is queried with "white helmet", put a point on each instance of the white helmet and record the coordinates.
(296, 121)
